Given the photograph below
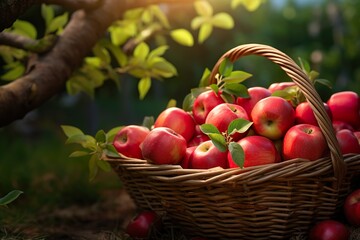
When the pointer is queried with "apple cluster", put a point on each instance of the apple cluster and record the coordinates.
(261, 128)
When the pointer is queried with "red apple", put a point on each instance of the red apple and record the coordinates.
(329, 230)
(339, 125)
(255, 95)
(196, 140)
(272, 117)
(163, 146)
(304, 141)
(348, 141)
(345, 106)
(280, 86)
(258, 150)
(304, 114)
(127, 141)
(204, 103)
(352, 208)
(207, 155)
(221, 116)
(178, 120)
(142, 225)
(186, 160)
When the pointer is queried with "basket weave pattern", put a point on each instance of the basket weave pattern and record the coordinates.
(273, 201)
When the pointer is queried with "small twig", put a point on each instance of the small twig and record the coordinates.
(25, 43)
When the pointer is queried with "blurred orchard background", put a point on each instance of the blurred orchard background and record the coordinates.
(33, 154)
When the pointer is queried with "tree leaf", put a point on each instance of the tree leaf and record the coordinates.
(10, 197)
(239, 125)
(250, 5)
(215, 88)
(25, 28)
(237, 154)
(226, 67)
(188, 102)
(144, 86)
(100, 136)
(47, 13)
(57, 23)
(204, 32)
(182, 36)
(141, 51)
(237, 77)
(163, 68)
(86, 141)
(118, 35)
(79, 154)
(160, 15)
(102, 53)
(203, 8)
(16, 71)
(219, 141)
(157, 52)
(71, 130)
(207, 129)
(196, 22)
(237, 89)
(223, 20)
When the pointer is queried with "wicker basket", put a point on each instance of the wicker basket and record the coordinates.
(274, 201)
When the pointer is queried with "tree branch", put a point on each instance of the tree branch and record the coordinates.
(50, 72)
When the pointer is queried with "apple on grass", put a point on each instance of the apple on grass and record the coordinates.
(207, 155)
(352, 208)
(143, 224)
(304, 141)
(223, 114)
(345, 106)
(255, 95)
(329, 230)
(163, 146)
(204, 103)
(305, 114)
(258, 150)
(272, 117)
(178, 120)
(348, 141)
(128, 139)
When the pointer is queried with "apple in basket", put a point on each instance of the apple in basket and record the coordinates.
(207, 155)
(352, 208)
(280, 86)
(143, 224)
(345, 106)
(255, 95)
(178, 120)
(163, 146)
(258, 150)
(348, 141)
(221, 116)
(339, 125)
(272, 117)
(204, 103)
(305, 114)
(329, 230)
(128, 139)
(304, 141)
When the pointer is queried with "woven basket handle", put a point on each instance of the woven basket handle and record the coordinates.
(302, 81)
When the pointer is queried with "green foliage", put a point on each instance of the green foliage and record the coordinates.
(93, 147)
(10, 197)
(250, 5)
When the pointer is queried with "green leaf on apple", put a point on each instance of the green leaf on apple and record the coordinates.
(236, 77)
(111, 151)
(219, 141)
(226, 67)
(171, 103)
(236, 89)
(100, 136)
(237, 153)
(204, 81)
(239, 125)
(209, 129)
(227, 97)
(86, 141)
(103, 165)
(79, 154)
(324, 82)
(148, 122)
(188, 102)
(215, 88)
(70, 130)
(110, 135)
(305, 66)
